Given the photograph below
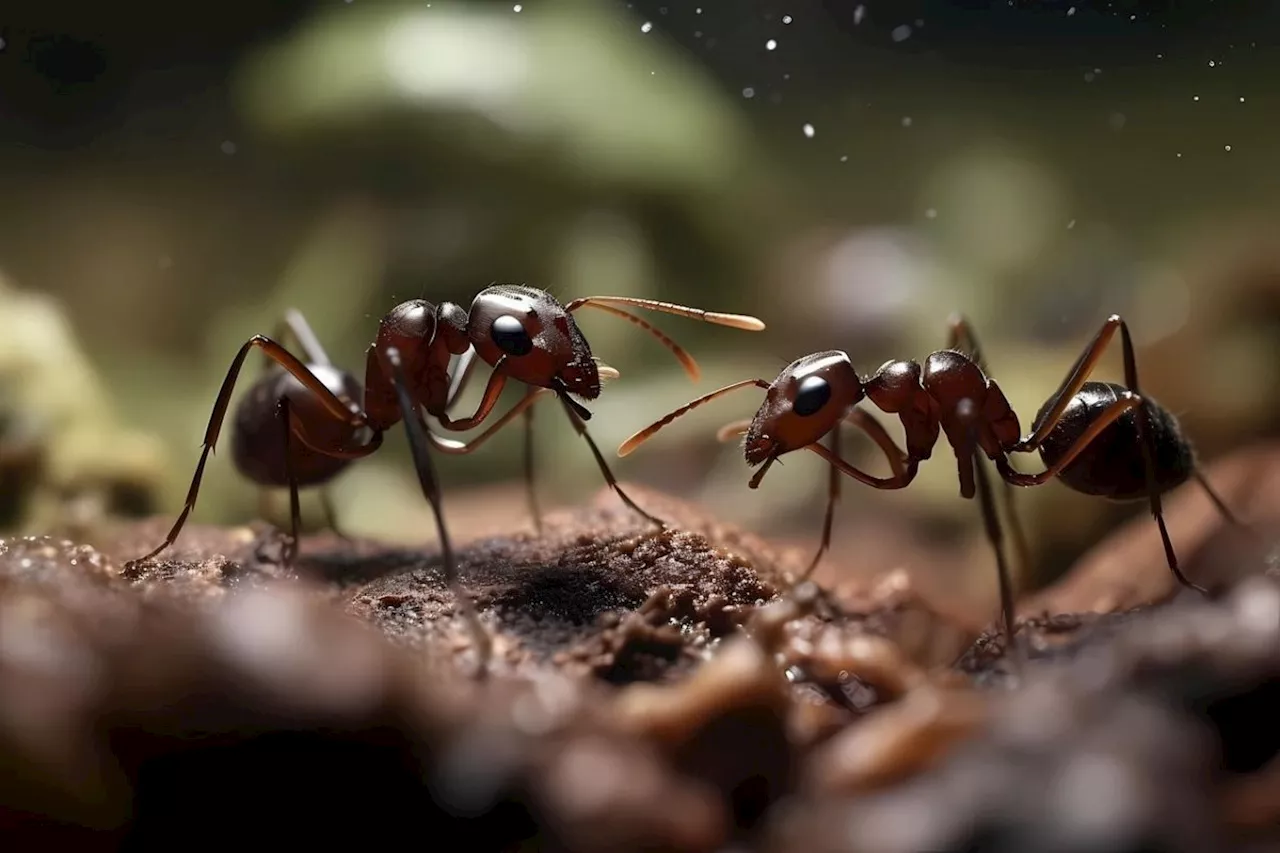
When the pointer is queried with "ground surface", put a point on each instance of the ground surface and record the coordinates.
(650, 691)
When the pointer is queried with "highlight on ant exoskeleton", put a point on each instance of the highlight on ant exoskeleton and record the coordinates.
(1098, 438)
(305, 420)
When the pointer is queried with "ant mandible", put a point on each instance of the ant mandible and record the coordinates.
(305, 420)
(1098, 438)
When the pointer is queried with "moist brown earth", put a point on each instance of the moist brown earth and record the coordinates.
(651, 690)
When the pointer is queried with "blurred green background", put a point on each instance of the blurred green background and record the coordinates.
(175, 178)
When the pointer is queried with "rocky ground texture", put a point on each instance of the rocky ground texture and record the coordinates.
(649, 692)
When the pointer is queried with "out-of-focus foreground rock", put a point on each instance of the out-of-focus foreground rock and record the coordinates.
(649, 691)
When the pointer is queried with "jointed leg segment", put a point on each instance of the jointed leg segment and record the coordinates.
(289, 362)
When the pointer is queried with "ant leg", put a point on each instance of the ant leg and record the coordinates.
(298, 370)
(530, 484)
(458, 448)
(290, 552)
(960, 336)
(1129, 401)
(1217, 500)
(492, 391)
(833, 495)
(422, 464)
(581, 428)
(1080, 372)
(294, 325)
(973, 471)
(904, 469)
(995, 535)
(462, 373)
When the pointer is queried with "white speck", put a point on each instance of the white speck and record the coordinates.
(771, 44)
(697, 34)
(931, 214)
(697, 11)
(646, 26)
(786, 19)
(1071, 224)
(901, 33)
(1195, 97)
(858, 14)
(809, 131)
(1179, 155)
(2, 43)
(844, 158)
(906, 121)
(1212, 63)
(228, 147)
(1071, 11)
(517, 8)
(1159, 56)
(1242, 100)
(1228, 147)
(748, 92)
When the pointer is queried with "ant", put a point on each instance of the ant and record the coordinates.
(305, 420)
(1098, 438)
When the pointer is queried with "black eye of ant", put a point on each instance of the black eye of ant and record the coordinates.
(509, 334)
(814, 393)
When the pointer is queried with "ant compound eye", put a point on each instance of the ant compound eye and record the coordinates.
(814, 393)
(509, 334)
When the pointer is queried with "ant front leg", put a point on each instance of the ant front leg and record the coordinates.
(418, 448)
(581, 428)
(492, 391)
(1130, 401)
(525, 408)
(833, 497)
(530, 483)
(299, 371)
(903, 471)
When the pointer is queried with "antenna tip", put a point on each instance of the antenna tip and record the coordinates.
(745, 322)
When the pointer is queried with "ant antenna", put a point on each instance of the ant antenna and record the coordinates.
(615, 305)
(645, 434)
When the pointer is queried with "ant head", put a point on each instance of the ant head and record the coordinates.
(535, 338)
(808, 398)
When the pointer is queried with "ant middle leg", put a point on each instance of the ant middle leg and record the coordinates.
(961, 337)
(974, 479)
(281, 356)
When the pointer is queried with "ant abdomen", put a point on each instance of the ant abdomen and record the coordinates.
(258, 443)
(1112, 465)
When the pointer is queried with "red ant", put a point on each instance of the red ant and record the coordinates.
(305, 420)
(1098, 438)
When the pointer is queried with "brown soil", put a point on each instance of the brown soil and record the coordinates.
(651, 691)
